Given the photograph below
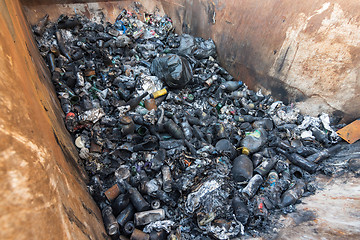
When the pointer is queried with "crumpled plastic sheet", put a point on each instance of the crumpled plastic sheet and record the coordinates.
(207, 196)
(307, 135)
(138, 70)
(325, 119)
(259, 93)
(123, 110)
(187, 45)
(67, 35)
(309, 121)
(173, 69)
(205, 49)
(150, 84)
(92, 115)
(288, 114)
(274, 106)
(223, 234)
(158, 226)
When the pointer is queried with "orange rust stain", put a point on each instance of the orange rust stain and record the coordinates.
(347, 198)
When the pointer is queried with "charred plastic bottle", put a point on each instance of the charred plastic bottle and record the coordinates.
(231, 85)
(240, 209)
(143, 218)
(265, 123)
(120, 203)
(253, 141)
(238, 94)
(320, 136)
(322, 155)
(138, 200)
(225, 147)
(292, 195)
(139, 235)
(257, 159)
(242, 168)
(267, 164)
(306, 151)
(61, 45)
(298, 160)
(167, 179)
(173, 129)
(252, 187)
(125, 215)
(186, 129)
(40, 27)
(134, 102)
(111, 225)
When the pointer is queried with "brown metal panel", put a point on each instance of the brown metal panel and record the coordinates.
(43, 193)
(351, 132)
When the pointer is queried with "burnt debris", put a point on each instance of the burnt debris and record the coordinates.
(175, 147)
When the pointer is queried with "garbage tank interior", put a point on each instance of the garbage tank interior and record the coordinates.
(306, 53)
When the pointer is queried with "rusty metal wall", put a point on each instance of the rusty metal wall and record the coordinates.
(300, 51)
(43, 194)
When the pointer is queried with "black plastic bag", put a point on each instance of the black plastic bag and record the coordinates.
(187, 45)
(174, 70)
(205, 49)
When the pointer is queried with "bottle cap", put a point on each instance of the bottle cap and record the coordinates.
(245, 151)
(159, 93)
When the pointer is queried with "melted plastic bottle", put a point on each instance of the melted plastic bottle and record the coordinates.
(253, 141)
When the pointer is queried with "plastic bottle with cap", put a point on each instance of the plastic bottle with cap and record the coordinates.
(231, 85)
(253, 141)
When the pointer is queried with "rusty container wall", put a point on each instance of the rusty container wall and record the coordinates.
(300, 51)
(43, 193)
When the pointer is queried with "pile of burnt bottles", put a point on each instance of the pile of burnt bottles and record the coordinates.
(175, 147)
